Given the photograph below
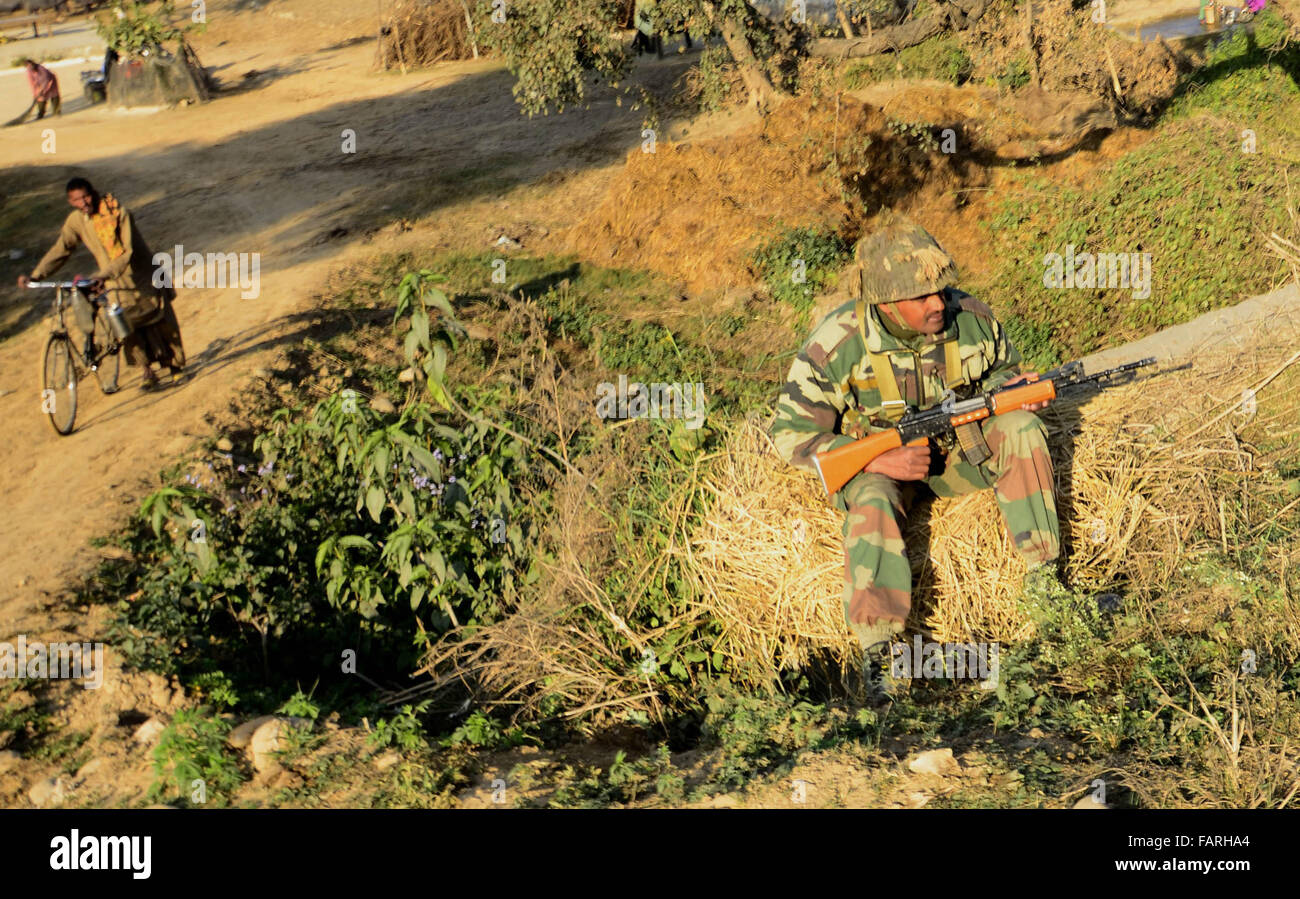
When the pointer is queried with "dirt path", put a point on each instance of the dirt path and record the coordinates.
(260, 170)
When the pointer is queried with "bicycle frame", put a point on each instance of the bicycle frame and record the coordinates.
(60, 302)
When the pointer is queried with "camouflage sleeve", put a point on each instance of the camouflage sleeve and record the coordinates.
(807, 415)
(1006, 363)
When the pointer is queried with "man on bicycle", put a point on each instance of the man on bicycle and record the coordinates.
(125, 275)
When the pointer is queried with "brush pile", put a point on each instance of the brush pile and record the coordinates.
(419, 33)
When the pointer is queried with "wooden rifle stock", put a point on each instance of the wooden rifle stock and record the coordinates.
(838, 466)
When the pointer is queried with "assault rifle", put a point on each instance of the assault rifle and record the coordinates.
(838, 466)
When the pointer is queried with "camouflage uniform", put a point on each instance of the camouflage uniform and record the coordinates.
(833, 396)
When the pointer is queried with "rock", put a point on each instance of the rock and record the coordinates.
(91, 767)
(1090, 801)
(241, 735)
(45, 793)
(406, 376)
(8, 759)
(1036, 734)
(918, 799)
(160, 692)
(225, 445)
(270, 738)
(937, 761)
(148, 733)
(382, 405)
(387, 760)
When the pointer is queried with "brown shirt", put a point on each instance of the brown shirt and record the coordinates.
(128, 277)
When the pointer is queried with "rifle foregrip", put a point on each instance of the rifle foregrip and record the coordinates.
(1015, 398)
(838, 466)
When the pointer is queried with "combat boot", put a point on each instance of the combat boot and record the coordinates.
(875, 641)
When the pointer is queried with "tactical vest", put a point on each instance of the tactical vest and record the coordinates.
(970, 436)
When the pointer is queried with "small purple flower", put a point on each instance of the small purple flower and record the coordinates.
(241, 469)
(230, 508)
(288, 477)
(437, 454)
(451, 480)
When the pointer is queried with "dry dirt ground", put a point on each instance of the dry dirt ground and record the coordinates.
(261, 169)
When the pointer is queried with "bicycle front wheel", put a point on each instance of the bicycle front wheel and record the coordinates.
(59, 396)
(108, 361)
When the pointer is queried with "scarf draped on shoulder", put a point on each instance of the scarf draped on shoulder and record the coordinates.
(106, 221)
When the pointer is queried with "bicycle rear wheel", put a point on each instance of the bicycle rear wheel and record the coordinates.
(59, 397)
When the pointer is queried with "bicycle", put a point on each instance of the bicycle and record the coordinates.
(65, 364)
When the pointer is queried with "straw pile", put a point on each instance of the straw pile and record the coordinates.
(423, 32)
(696, 211)
(1141, 472)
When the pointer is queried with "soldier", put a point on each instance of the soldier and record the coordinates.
(905, 339)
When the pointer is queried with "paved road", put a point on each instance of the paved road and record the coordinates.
(68, 39)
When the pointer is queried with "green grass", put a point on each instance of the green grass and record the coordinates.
(941, 57)
(1189, 197)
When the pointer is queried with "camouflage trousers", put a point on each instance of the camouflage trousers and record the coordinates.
(878, 576)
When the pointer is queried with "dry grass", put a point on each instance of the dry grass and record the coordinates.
(695, 211)
(419, 33)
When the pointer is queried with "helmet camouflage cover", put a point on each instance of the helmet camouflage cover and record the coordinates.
(902, 261)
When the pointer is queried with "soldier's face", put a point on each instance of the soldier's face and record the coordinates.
(924, 314)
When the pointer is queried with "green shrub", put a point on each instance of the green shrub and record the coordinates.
(357, 531)
(131, 27)
(191, 762)
(798, 263)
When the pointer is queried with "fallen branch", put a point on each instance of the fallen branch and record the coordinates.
(953, 15)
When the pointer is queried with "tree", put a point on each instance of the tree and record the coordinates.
(553, 47)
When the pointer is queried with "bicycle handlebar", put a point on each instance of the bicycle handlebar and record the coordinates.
(84, 282)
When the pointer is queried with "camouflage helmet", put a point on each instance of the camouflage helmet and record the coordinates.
(901, 261)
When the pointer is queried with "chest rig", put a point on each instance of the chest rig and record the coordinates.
(970, 437)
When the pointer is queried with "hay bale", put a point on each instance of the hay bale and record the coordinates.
(1137, 476)
(419, 33)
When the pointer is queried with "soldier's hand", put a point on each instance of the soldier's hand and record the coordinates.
(22, 280)
(906, 463)
(1031, 407)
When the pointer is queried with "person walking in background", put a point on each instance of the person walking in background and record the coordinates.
(45, 91)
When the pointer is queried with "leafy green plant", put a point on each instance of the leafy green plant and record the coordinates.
(798, 263)
(624, 782)
(299, 705)
(132, 27)
(403, 730)
(216, 688)
(713, 81)
(191, 760)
